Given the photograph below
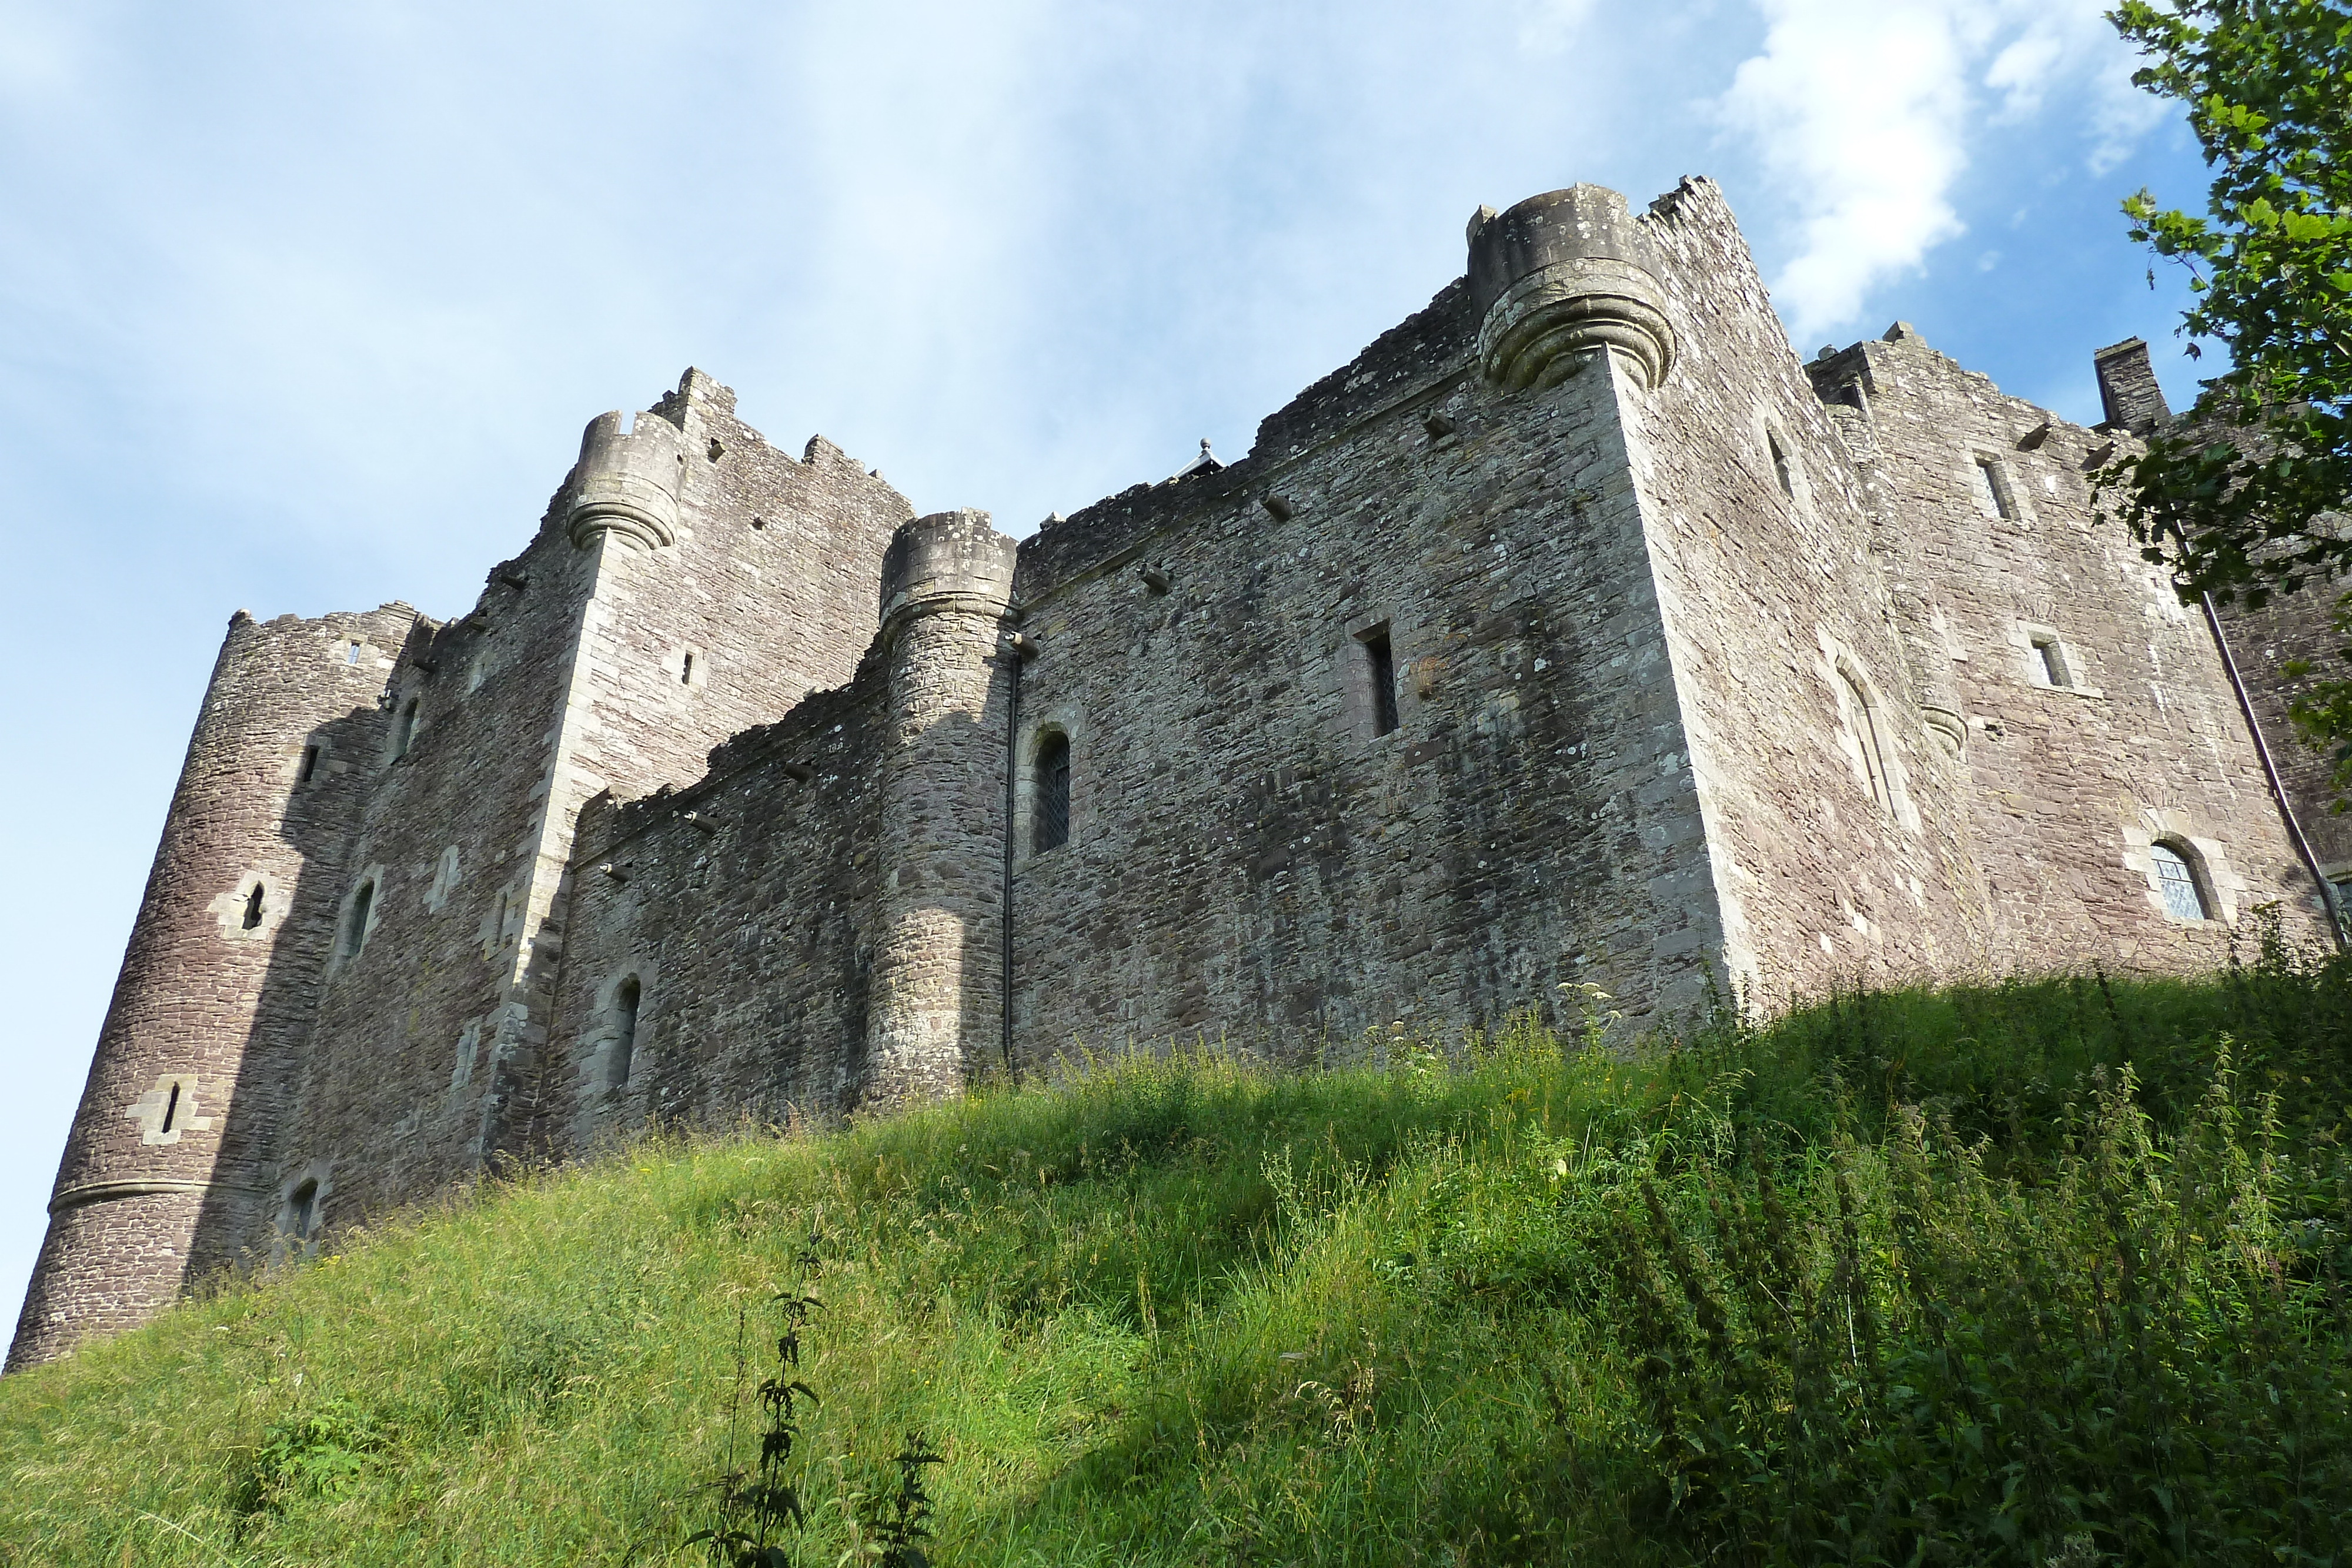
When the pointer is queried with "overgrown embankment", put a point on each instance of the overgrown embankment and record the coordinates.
(2042, 1272)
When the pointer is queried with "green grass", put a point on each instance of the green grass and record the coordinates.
(2047, 1272)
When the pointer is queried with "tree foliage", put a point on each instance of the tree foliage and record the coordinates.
(2247, 496)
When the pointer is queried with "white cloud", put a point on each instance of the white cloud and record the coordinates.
(1863, 113)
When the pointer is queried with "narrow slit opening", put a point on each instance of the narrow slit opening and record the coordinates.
(1379, 676)
(625, 1042)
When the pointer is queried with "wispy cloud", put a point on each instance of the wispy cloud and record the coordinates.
(1863, 115)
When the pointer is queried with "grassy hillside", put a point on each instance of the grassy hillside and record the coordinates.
(2040, 1273)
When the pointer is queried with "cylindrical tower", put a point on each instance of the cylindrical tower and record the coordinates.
(935, 998)
(166, 1172)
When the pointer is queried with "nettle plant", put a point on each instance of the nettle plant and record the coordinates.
(756, 1502)
(761, 1503)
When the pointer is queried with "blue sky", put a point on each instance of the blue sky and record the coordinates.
(303, 308)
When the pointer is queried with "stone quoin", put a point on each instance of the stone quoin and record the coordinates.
(1577, 631)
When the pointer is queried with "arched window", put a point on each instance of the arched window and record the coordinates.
(625, 1042)
(355, 924)
(301, 1209)
(2177, 879)
(404, 729)
(253, 907)
(1865, 732)
(1053, 816)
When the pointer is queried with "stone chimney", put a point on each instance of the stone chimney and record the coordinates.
(2127, 386)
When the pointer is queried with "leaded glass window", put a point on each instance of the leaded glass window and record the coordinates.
(1053, 822)
(2177, 880)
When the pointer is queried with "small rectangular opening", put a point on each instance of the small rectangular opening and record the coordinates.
(309, 762)
(2052, 659)
(1992, 489)
(1379, 677)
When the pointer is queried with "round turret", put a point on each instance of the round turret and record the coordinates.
(167, 1172)
(1560, 276)
(946, 560)
(935, 999)
(627, 482)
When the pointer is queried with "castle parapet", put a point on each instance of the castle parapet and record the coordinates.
(627, 482)
(1559, 276)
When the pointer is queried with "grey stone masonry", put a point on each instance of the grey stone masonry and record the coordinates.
(1575, 633)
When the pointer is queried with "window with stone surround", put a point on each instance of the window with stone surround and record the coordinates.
(253, 907)
(1863, 715)
(1990, 482)
(2179, 877)
(404, 729)
(1376, 678)
(494, 933)
(625, 1001)
(355, 921)
(1051, 825)
(301, 1211)
(2049, 660)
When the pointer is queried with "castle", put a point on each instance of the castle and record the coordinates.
(1576, 631)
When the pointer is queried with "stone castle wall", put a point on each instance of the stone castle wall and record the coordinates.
(2099, 717)
(1249, 858)
(687, 581)
(1575, 633)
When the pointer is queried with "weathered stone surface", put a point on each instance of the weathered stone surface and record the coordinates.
(1573, 633)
